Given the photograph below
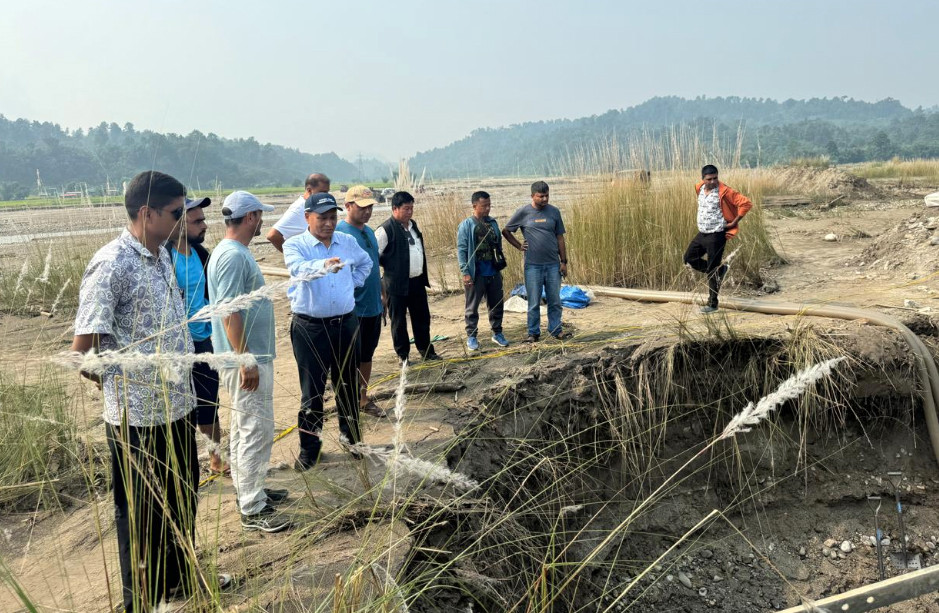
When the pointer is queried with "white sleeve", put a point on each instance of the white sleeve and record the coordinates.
(382, 239)
(292, 222)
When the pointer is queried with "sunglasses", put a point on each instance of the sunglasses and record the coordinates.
(176, 213)
(410, 239)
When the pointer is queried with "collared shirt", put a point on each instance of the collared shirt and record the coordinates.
(415, 248)
(334, 294)
(128, 296)
(293, 221)
(710, 217)
(190, 277)
(367, 297)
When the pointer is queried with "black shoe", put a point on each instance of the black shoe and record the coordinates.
(304, 463)
(265, 520)
(371, 408)
(276, 495)
(563, 336)
(533, 338)
(432, 356)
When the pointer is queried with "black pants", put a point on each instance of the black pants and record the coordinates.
(489, 288)
(205, 385)
(711, 245)
(323, 346)
(414, 303)
(155, 476)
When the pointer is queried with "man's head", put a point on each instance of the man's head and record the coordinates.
(157, 202)
(539, 194)
(481, 204)
(243, 211)
(402, 207)
(359, 203)
(709, 176)
(193, 231)
(316, 183)
(321, 215)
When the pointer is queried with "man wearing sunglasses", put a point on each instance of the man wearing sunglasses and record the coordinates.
(368, 307)
(129, 298)
(405, 282)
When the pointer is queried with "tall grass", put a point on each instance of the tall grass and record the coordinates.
(915, 168)
(635, 235)
(43, 277)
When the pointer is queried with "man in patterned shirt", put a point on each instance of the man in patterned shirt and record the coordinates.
(720, 210)
(129, 299)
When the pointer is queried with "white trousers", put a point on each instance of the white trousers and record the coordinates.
(252, 435)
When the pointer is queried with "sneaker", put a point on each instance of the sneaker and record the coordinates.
(472, 343)
(500, 340)
(304, 463)
(707, 310)
(265, 520)
(533, 338)
(371, 408)
(563, 336)
(276, 495)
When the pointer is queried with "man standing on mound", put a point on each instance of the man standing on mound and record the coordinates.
(545, 258)
(720, 210)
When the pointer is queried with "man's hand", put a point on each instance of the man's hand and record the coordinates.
(563, 269)
(523, 246)
(467, 281)
(730, 225)
(250, 378)
(331, 262)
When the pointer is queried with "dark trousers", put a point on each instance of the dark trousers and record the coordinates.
(155, 476)
(414, 303)
(489, 288)
(205, 386)
(321, 347)
(711, 245)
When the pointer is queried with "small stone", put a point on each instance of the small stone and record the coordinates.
(669, 578)
(885, 541)
(833, 555)
(707, 554)
(826, 551)
(930, 545)
(830, 543)
(685, 580)
(847, 546)
(934, 241)
(839, 555)
(801, 552)
(718, 578)
(702, 592)
(912, 304)
(831, 238)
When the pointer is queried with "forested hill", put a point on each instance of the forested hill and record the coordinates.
(111, 153)
(844, 129)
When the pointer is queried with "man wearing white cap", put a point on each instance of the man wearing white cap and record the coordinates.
(233, 272)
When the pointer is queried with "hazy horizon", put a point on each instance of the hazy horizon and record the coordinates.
(392, 80)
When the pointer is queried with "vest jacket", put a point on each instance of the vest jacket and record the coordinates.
(396, 258)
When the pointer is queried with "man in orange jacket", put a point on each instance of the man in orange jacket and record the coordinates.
(720, 210)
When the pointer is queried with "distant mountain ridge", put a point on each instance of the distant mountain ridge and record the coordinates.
(842, 128)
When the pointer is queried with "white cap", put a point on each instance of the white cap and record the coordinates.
(238, 204)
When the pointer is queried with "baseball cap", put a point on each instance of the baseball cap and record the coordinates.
(238, 204)
(197, 203)
(361, 196)
(320, 203)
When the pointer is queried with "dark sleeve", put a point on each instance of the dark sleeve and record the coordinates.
(516, 220)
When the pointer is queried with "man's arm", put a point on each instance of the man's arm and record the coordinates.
(296, 262)
(83, 343)
(562, 252)
(361, 264)
(381, 239)
(277, 239)
(508, 236)
(235, 332)
(743, 205)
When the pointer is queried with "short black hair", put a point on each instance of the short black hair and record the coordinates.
(709, 169)
(315, 179)
(539, 187)
(151, 188)
(477, 196)
(229, 221)
(401, 198)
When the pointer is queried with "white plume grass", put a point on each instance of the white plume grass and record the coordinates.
(47, 267)
(174, 366)
(19, 280)
(58, 297)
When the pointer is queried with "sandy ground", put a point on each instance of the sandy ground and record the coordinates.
(58, 557)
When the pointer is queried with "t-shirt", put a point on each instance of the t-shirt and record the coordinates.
(232, 272)
(486, 244)
(293, 221)
(367, 297)
(190, 277)
(710, 217)
(541, 230)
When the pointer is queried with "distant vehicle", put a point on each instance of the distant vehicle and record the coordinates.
(388, 192)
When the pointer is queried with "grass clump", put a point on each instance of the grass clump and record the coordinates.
(916, 168)
(37, 440)
(42, 278)
(636, 236)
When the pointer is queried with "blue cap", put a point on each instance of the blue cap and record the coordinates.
(238, 204)
(197, 203)
(320, 203)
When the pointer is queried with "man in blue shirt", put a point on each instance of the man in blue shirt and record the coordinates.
(324, 325)
(190, 260)
(368, 307)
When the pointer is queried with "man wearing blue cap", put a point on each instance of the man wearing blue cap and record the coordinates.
(190, 260)
(324, 327)
(233, 272)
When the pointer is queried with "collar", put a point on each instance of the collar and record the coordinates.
(129, 240)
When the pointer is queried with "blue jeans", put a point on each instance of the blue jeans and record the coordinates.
(547, 276)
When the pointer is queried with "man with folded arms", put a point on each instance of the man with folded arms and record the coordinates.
(324, 325)
(292, 222)
(233, 272)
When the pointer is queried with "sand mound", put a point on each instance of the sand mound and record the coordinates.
(828, 181)
(911, 245)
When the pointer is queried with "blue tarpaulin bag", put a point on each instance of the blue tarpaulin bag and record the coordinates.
(572, 296)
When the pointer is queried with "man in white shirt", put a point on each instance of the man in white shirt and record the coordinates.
(293, 222)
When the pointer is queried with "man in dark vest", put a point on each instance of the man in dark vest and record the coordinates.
(404, 282)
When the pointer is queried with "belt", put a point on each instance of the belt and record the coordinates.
(326, 321)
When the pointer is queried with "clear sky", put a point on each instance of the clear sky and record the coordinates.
(400, 76)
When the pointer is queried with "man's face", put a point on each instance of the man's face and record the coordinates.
(322, 225)
(358, 215)
(321, 186)
(539, 200)
(196, 226)
(482, 207)
(403, 213)
(258, 220)
(164, 223)
(710, 181)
